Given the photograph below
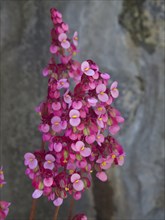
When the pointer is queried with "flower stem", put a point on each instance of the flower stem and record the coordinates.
(71, 209)
(33, 209)
(56, 213)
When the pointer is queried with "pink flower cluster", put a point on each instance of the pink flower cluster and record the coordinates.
(77, 123)
(4, 206)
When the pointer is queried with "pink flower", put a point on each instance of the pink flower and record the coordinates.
(100, 139)
(75, 38)
(58, 201)
(80, 217)
(64, 42)
(56, 106)
(56, 123)
(105, 76)
(30, 160)
(53, 49)
(4, 209)
(114, 90)
(44, 128)
(57, 147)
(2, 179)
(67, 98)
(49, 163)
(62, 83)
(102, 96)
(48, 181)
(92, 101)
(80, 147)
(114, 129)
(78, 184)
(100, 110)
(85, 67)
(77, 105)
(74, 117)
(105, 163)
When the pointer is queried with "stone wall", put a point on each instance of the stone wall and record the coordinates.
(126, 38)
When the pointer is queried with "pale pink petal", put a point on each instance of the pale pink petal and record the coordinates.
(103, 97)
(102, 176)
(48, 165)
(58, 147)
(75, 122)
(73, 146)
(49, 157)
(86, 152)
(77, 195)
(58, 201)
(45, 72)
(114, 85)
(119, 119)
(74, 112)
(65, 44)
(90, 72)
(45, 128)
(105, 76)
(55, 119)
(56, 106)
(33, 164)
(77, 105)
(79, 145)
(37, 193)
(100, 88)
(92, 101)
(120, 160)
(48, 181)
(78, 186)
(84, 65)
(75, 177)
(62, 37)
(115, 93)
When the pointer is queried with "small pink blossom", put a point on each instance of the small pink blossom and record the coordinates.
(4, 209)
(85, 67)
(56, 123)
(102, 96)
(102, 176)
(37, 194)
(49, 163)
(114, 90)
(100, 139)
(74, 117)
(64, 42)
(30, 160)
(62, 83)
(44, 128)
(54, 49)
(75, 38)
(58, 201)
(78, 184)
(80, 147)
(92, 101)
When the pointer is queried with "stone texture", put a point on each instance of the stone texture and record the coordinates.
(126, 38)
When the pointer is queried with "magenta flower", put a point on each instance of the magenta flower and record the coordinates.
(105, 163)
(102, 176)
(44, 128)
(85, 67)
(92, 101)
(56, 106)
(4, 209)
(102, 96)
(48, 181)
(100, 139)
(75, 38)
(100, 110)
(57, 147)
(62, 83)
(30, 160)
(78, 184)
(80, 147)
(114, 90)
(74, 117)
(64, 42)
(56, 123)
(54, 49)
(49, 164)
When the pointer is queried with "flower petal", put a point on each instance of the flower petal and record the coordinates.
(86, 152)
(58, 201)
(75, 122)
(75, 177)
(37, 193)
(78, 186)
(102, 176)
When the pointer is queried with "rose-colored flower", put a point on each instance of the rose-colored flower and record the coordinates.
(30, 160)
(85, 67)
(74, 117)
(37, 194)
(78, 184)
(114, 90)
(80, 147)
(102, 96)
(49, 163)
(102, 176)
(56, 123)
(64, 42)
(4, 209)
(58, 201)
(62, 83)
(75, 38)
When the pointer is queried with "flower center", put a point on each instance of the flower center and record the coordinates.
(74, 116)
(99, 108)
(77, 181)
(56, 123)
(82, 148)
(104, 163)
(49, 161)
(62, 83)
(113, 156)
(98, 137)
(86, 69)
(66, 188)
(100, 119)
(64, 40)
(101, 93)
(121, 158)
(75, 38)
(31, 159)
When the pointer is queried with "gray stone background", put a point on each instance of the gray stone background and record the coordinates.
(126, 38)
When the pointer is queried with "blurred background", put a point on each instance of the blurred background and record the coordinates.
(126, 38)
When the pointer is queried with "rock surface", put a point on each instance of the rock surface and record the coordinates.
(126, 38)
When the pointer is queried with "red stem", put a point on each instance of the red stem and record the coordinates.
(33, 209)
(71, 209)
(56, 213)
